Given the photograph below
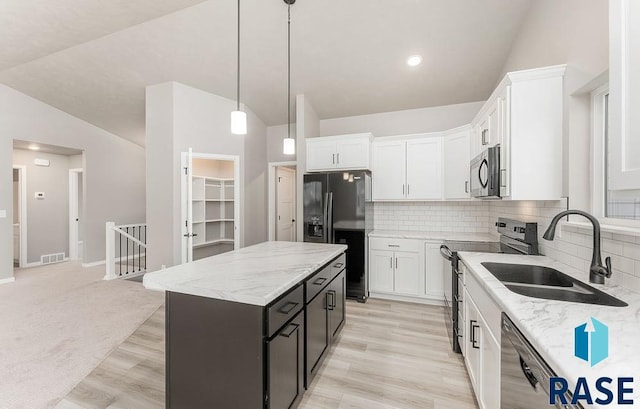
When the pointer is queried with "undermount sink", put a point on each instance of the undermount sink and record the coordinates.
(549, 284)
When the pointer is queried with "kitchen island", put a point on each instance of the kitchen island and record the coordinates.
(249, 328)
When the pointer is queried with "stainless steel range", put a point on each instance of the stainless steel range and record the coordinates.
(516, 237)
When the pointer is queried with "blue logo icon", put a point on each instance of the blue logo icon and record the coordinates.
(592, 341)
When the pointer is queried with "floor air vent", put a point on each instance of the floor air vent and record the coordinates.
(52, 258)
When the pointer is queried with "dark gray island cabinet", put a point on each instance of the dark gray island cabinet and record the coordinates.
(230, 344)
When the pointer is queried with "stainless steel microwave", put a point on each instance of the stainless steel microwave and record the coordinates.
(485, 174)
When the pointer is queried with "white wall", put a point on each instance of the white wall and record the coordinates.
(114, 169)
(48, 218)
(275, 136)
(180, 117)
(407, 122)
(307, 126)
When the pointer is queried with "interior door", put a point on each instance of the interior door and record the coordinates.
(285, 208)
(187, 208)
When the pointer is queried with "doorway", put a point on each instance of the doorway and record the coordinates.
(211, 189)
(19, 216)
(282, 201)
(76, 217)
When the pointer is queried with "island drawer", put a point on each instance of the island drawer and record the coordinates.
(318, 281)
(338, 265)
(284, 309)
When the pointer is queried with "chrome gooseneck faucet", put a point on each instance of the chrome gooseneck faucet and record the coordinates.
(597, 271)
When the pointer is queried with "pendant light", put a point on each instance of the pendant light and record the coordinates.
(238, 117)
(289, 144)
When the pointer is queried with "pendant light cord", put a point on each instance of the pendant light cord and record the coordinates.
(238, 73)
(289, 72)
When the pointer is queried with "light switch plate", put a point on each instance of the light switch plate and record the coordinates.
(3, 214)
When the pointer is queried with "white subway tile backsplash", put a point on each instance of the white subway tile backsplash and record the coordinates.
(427, 216)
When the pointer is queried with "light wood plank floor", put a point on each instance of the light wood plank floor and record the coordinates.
(390, 355)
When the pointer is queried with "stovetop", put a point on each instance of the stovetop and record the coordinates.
(474, 246)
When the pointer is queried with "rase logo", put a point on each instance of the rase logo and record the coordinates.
(591, 344)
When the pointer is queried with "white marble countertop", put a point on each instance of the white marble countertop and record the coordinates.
(252, 275)
(549, 325)
(433, 235)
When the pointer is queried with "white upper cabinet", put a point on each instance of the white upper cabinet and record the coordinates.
(524, 117)
(407, 168)
(624, 95)
(321, 154)
(456, 164)
(339, 152)
(424, 169)
(389, 170)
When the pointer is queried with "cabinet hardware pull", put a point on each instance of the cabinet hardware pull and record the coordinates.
(334, 296)
(319, 281)
(338, 265)
(393, 245)
(287, 334)
(330, 304)
(338, 156)
(403, 189)
(466, 186)
(288, 307)
(391, 262)
(333, 158)
(473, 334)
(396, 262)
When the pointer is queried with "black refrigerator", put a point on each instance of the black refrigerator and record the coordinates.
(338, 209)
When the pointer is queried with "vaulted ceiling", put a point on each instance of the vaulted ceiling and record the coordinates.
(94, 58)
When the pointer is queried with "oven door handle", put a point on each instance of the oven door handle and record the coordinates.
(446, 252)
(529, 374)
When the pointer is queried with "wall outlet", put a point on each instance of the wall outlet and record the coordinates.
(39, 195)
(3, 214)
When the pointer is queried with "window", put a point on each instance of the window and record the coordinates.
(617, 205)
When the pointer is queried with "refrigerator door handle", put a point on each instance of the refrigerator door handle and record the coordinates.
(330, 218)
(325, 236)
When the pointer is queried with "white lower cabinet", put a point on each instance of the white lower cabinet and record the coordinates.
(381, 271)
(406, 268)
(408, 273)
(482, 343)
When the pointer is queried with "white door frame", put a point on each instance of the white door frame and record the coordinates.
(22, 212)
(238, 236)
(272, 197)
(74, 234)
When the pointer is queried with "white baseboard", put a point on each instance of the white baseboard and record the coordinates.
(7, 280)
(406, 298)
(94, 264)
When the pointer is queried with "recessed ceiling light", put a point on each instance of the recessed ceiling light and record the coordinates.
(414, 60)
(34, 147)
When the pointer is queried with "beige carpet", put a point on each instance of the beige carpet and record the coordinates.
(57, 323)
